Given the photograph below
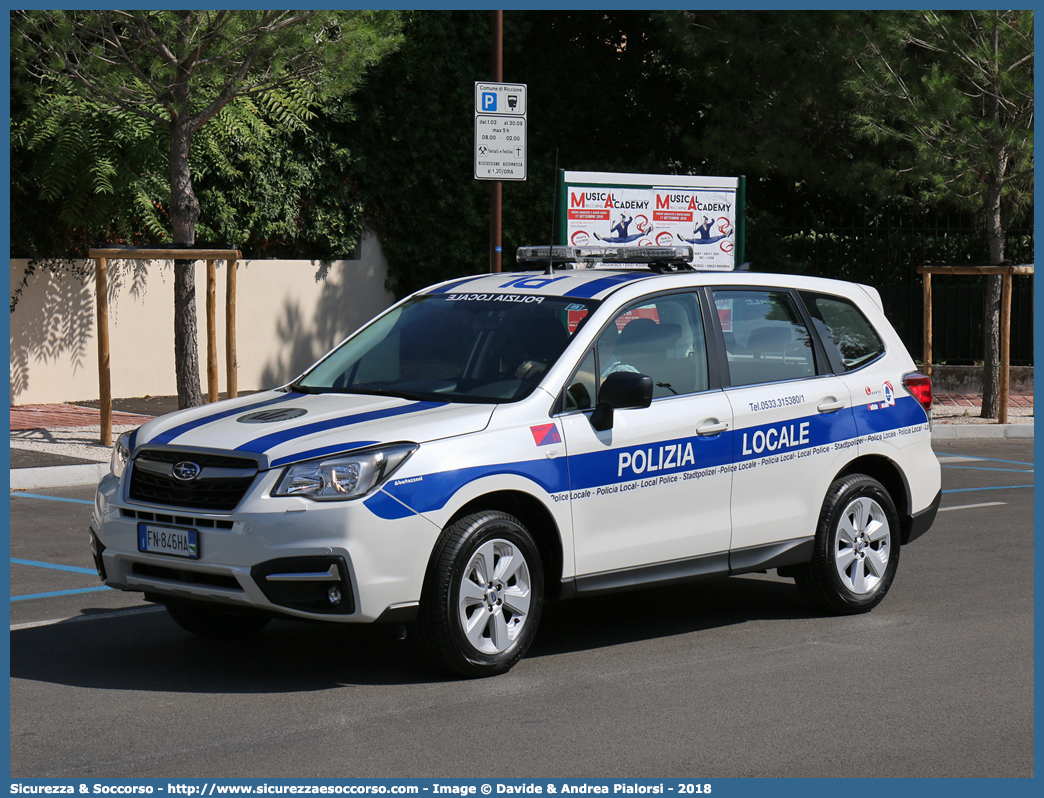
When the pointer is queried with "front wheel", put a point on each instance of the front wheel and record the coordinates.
(482, 596)
(856, 551)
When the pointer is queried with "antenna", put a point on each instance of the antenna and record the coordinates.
(554, 213)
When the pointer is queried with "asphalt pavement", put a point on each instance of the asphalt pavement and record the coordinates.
(721, 679)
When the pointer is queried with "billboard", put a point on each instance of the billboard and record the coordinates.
(655, 210)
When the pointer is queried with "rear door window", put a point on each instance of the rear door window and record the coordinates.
(766, 339)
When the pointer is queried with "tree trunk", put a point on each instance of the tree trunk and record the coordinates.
(992, 301)
(995, 238)
(186, 350)
(184, 211)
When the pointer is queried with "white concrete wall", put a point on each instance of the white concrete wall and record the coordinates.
(289, 313)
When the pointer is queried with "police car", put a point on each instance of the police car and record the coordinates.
(497, 441)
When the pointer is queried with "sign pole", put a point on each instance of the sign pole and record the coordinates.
(496, 188)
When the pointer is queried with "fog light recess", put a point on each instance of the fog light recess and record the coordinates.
(313, 584)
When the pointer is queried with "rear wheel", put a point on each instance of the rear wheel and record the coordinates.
(216, 621)
(482, 596)
(856, 551)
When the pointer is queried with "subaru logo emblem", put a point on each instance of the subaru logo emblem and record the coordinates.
(186, 471)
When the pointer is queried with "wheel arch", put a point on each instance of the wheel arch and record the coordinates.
(535, 516)
(885, 471)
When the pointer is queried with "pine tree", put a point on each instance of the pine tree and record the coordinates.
(954, 92)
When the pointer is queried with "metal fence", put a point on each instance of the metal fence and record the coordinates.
(884, 249)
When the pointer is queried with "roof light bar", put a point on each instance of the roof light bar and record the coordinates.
(587, 255)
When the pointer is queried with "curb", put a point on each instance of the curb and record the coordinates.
(57, 476)
(949, 432)
(71, 476)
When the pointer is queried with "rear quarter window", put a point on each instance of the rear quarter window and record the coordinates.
(850, 340)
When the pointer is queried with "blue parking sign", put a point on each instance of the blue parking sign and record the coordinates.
(489, 101)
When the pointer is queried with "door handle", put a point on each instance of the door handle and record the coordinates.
(828, 406)
(712, 428)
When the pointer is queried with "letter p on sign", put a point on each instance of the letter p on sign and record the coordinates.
(489, 101)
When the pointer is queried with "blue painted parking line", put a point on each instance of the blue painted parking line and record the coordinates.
(984, 468)
(996, 487)
(59, 593)
(15, 495)
(54, 566)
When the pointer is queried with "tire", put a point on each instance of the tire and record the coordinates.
(216, 621)
(856, 550)
(482, 596)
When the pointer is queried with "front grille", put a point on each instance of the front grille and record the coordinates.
(200, 459)
(218, 494)
(186, 577)
(181, 520)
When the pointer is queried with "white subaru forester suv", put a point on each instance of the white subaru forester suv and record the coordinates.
(497, 441)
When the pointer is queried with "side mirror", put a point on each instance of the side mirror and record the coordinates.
(621, 390)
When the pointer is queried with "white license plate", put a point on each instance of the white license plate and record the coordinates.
(175, 541)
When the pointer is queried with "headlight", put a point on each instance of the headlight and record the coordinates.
(343, 476)
(120, 455)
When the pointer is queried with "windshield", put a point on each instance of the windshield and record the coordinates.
(454, 347)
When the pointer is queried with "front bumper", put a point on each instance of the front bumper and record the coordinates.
(333, 561)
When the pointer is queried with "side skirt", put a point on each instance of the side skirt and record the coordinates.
(741, 561)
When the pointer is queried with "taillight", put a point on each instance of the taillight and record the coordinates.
(920, 387)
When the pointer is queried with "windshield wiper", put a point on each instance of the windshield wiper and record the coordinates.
(296, 387)
(418, 397)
